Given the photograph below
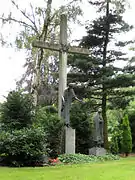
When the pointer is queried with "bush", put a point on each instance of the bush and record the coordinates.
(53, 126)
(80, 121)
(126, 142)
(16, 112)
(114, 148)
(115, 145)
(131, 116)
(22, 147)
(81, 158)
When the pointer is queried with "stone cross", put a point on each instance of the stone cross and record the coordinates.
(63, 48)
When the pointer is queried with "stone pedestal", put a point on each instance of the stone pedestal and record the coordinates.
(97, 151)
(69, 140)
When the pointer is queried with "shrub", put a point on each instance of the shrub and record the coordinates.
(80, 121)
(131, 116)
(81, 158)
(23, 147)
(115, 145)
(126, 142)
(16, 112)
(114, 148)
(53, 127)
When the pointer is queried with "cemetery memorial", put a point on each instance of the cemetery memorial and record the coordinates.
(63, 48)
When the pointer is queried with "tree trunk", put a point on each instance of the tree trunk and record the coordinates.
(104, 94)
(104, 99)
(40, 57)
(36, 83)
(126, 154)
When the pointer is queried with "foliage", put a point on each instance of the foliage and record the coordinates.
(81, 158)
(119, 102)
(114, 119)
(114, 129)
(119, 133)
(24, 147)
(114, 147)
(98, 71)
(17, 111)
(80, 121)
(130, 110)
(47, 118)
(126, 142)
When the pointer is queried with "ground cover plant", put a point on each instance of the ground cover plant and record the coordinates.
(110, 170)
(82, 158)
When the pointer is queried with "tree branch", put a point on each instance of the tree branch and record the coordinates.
(17, 21)
(33, 15)
(26, 16)
(95, 98)
(46, 20)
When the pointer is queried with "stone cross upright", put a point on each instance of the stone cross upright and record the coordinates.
(63, 48)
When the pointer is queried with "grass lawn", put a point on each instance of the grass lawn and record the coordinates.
(123, 169)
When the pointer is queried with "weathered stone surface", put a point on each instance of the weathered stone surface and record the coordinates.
(98, 136)
(69, 140)
(97, 151)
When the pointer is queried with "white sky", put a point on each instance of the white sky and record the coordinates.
(11, 61)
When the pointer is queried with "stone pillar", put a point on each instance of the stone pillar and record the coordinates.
(69, 140)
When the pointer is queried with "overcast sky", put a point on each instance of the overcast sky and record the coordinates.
(11, 61)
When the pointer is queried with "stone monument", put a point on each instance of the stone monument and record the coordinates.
(98, 137)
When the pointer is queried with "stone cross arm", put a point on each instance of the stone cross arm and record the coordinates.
(57, 47)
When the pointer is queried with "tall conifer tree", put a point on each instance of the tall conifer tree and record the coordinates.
(98, 70)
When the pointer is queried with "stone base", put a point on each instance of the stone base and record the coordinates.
(97, 151)
(69, 140)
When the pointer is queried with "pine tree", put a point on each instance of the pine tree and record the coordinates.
(126, 142)
(98, 70)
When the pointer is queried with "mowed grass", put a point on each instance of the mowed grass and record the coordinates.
(123, 169)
